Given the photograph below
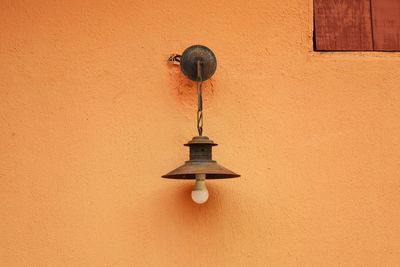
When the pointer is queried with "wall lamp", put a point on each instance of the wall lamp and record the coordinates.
(199, 63)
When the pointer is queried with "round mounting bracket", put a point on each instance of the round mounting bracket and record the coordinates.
(194, 54)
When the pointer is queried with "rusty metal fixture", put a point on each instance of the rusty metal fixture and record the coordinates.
(200, 162)
(199, 63)
(198, 54)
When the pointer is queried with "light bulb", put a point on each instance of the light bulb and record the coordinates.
(200, 192)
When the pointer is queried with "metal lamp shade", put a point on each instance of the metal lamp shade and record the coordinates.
(201, 162)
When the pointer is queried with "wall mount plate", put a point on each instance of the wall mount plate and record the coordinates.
(196, 53)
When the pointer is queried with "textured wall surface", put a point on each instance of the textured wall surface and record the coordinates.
(91, 116)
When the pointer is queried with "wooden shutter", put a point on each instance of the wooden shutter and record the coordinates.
(343, 25)
(357, 25)
(386, 24)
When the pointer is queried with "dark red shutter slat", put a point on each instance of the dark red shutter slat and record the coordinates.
(343, 25)
(386, 24)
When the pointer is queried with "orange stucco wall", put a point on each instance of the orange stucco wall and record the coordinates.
(91, 116)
